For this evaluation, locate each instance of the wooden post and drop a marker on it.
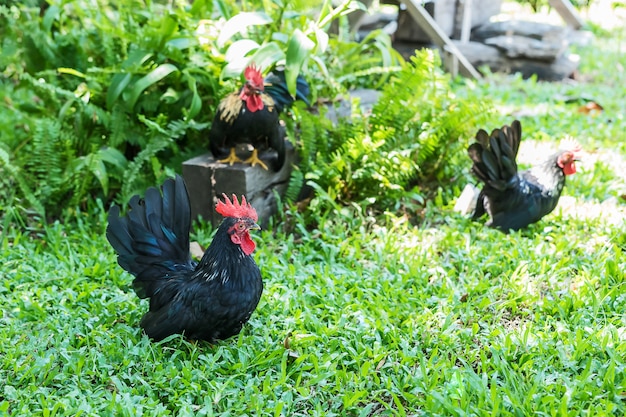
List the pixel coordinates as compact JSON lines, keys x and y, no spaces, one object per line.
{"x":428,"y":24}
{"x":207,"y":179}
{"x":466,"y":26}
{"x":568,"y":13}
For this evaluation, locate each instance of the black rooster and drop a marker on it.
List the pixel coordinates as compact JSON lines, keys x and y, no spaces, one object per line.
{"x":276,"y":86}
{"x":250,"y":116}
{"x":515,"y":199}
{"x":209,"y":300}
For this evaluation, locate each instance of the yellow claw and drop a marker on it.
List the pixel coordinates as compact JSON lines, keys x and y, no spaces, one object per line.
{"x":254,"y":160}
{"x":231,"y":158}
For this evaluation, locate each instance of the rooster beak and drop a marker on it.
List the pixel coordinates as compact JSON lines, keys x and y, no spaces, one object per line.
{"x":253,"y":226}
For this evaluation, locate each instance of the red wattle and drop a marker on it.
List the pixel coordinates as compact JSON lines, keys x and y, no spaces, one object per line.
{"x":244,"y":240}
{"x":247,"y":244}
{"x":254,"y":103}
{"x":569,"y":169}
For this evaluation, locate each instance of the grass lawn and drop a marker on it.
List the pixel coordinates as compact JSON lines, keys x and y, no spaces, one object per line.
{"x":360,"y":316}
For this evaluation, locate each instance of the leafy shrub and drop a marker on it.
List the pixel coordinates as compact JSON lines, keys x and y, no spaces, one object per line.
{"x":102,"y":98}
{"x":98,"y":98}
{"x":412,"y":139}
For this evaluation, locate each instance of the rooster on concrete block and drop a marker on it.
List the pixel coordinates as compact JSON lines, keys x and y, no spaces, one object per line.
{"x":209,"y":300}
{"x":513,"y":199}
{"x":251,"y":116}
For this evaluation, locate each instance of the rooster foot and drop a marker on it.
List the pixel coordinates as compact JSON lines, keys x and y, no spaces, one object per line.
{"x":254,"y":160}
{"x":231,"y":158}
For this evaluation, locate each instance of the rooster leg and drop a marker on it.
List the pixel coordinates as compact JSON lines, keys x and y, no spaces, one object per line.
{"x":254,"y":160}
{"x":231,"y":158}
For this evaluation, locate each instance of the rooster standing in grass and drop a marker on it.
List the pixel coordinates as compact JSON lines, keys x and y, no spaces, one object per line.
{"x":250,"y":116}
{"x":515,"y":199}
{"x":209,"y":300}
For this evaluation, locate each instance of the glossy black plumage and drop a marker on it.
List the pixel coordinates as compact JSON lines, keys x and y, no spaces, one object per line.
{"x":276,"y":87}
{"x":209,"y":300}
{"x":261,"y":129}
{"x":234,"y":124}
{"x":513,"y":200}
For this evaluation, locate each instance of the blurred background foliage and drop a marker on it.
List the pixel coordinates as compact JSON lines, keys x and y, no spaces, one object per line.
{"x":102,"y":99}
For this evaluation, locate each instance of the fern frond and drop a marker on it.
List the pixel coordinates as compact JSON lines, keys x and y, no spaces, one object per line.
{"x":154,"y":146}
{"x":11,"y":173}
{"x":412,"y":135}
{"x":296,"y":183}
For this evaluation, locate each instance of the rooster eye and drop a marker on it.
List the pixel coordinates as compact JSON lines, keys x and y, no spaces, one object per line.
{"x":567,"y":158}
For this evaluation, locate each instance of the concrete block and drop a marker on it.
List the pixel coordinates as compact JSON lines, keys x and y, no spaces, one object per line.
{"x":207,"y":179}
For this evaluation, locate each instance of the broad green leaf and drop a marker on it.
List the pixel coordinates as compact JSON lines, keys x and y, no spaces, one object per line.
{"x":239,"y":49}
{"x":321,"y":65}
{"x":239,"y":23}
{"x":71,"y":71}
{"x":67,"y":107}
{"x":149,"y":79}
{"x":170,"y":96}
{"x":280,"y":37}
{"x":201,"y":8}
{"x":113,"y":157}
{"x":79,"y":163}
{"x":223,"y":8}
{"x":117,"y":86}
{"x":264,"y":57}
{"x":325,"y":9}
{"x":322,"y":40}
{"x":136,"y":59}
{"x":329,"y":14}
{"x":120,"y":81}
{"x":298,"y":50}
{"x":233,"y":69}
{"x":267,"y":55}
{"x":182,"y":43}
{"x":196,"y":103}
{"x":99,"y":170}
{"x":168,"y":27}
{"x":51,"y":14}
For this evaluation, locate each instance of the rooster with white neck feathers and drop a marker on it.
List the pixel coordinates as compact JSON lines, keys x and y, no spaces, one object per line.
{"x":513,"y":199}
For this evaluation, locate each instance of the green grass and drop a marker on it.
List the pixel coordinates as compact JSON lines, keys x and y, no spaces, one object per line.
{"x":360,"y":316}
{"x":378,"y":317}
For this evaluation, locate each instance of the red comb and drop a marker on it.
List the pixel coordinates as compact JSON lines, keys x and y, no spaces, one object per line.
{"x":253,"y":75}
{"x":571,"y":144}
{"x":234,"y":209}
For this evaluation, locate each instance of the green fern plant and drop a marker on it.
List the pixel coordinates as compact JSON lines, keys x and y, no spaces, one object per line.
{"x":411,"y":143}
{"x":10,"y":178}
{"x":88,"y":85}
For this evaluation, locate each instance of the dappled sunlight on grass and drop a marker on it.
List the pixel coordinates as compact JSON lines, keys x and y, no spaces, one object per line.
{"x":353,"y":313}
{"x":412,"y":312}
{"x":609,"y":212}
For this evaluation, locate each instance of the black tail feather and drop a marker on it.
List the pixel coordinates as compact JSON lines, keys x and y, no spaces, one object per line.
{"x":494,"y":155}
{"x":152,"y":240}
{"x":276,"y":87}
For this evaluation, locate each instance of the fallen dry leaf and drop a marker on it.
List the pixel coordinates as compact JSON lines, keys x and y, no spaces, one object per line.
{"x":591,"y":108}
{"x":287,"y":341}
